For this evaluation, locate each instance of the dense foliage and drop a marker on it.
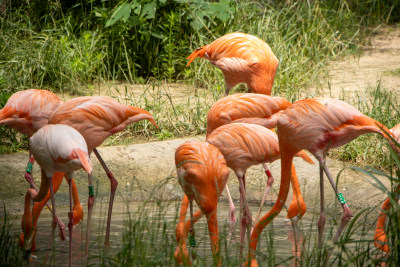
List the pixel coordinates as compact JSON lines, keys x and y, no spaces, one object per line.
{"x":61,"y":44}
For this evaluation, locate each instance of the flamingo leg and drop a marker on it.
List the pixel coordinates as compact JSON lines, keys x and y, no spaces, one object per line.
{"x":114,"y":184}
{"x":346,"y":210}
{"x":380,"y":237}
{"x":192,"y":240}
{"x":71,"y":219}
{"x":181,"y":252}
{"x":270,"y":181}
{"x":212,"y":222}
{"x":321,"y":221}
{"x":295,"y":236}
{"x":53,"y":203}
{"x":227,"y":89}
{"x":244,"y":213}
{"x":28,"y":172}
{"x":232,"y":216}
{"x":90,"y":210}
{"x":29,"y":179}
{"x":298,"y":206}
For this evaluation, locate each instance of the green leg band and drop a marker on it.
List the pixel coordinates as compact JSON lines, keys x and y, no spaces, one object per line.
{"x":91,"y":191}
{"x":192,"y":241}
{"x":341,"y":198}
{"x":29,"y":167}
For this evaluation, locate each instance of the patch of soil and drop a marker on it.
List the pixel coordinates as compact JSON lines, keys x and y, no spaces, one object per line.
{"x":355,"y":74}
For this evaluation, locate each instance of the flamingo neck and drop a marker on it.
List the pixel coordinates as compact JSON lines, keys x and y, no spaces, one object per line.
{"x":287,"y":168}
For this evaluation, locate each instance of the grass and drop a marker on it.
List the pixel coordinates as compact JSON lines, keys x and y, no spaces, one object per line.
{"x":371,"y":149}
{"x":395,"y":72}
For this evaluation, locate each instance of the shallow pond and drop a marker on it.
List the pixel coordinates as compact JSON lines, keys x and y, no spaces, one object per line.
{"x":284,"y":240}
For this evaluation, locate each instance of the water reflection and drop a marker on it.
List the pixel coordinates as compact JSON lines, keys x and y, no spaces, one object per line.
{"x":288,"y":238}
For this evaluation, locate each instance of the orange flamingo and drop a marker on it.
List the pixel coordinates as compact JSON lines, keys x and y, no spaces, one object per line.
{"x":202,"y":174}
{"x":257,"y":109}
{"x":242,"y":58}
{"x":316,"y":125}
{"x":244,"y":145}
{"x":380,"y":237}
{"x":26,"y":112}
{"x":56,"y":148}
{"x":97,"y":118}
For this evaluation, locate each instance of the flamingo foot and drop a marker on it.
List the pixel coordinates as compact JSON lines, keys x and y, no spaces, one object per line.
{"x":381,"y":240}
{"x":70,"y":229}
{"x":61,"y":229}
{"x":232,"y":219}
{"x":29,"y":179}
{"x":345,"y":219}
{"x":321,"y":226}
{"x":252,"y":263}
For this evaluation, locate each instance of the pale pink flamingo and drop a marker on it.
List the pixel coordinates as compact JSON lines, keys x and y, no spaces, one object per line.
{"x":257,"y":109}
{"x":316,"y":125}
{"x":97,"y":118}
{"x":56,"y":148}
{"x":242,"y":58}
{"x":26,"y":112}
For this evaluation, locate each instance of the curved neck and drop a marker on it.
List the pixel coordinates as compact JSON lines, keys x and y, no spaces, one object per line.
{"x":287,"y":170}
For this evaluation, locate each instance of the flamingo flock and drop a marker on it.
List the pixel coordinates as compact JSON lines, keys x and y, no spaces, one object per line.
{"x":240,"y":134}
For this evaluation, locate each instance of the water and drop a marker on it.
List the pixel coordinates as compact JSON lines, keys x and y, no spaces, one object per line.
{"x":288,"y":238}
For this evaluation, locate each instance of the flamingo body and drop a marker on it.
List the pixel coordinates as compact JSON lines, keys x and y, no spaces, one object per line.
{"x":243,"y":58}
{"x":97,"y":118}
{"x":320,"y":124}
{"x":201,"y":166}
{"x":52,"y":157}
{"x":247,"y":108}
{"x":28,"y":111}
{"x":244,"y":145}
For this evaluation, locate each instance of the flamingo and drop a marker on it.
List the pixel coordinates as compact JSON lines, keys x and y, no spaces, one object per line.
{"x":316,"y":125}
{"x":242,"y":58}
{"x":56,"y":148}
{"x":258,"y":109}
{"x":202,"y":174}
{"x":247,"y":108}
{"x":97,"y":118}
{"x":26,"y":112}
{"x":380,"y":237}
{"x":244,"y":145}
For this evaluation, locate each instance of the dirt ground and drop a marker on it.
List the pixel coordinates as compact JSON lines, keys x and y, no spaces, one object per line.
{"x":146,"y":171}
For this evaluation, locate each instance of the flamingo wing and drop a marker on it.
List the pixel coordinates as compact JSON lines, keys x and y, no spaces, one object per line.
{"x":247,"y":108}
{"x":27,"y":111}
{"x":60,"y":148}
{"x":97,"y":118}
{"x":244,"y":145}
